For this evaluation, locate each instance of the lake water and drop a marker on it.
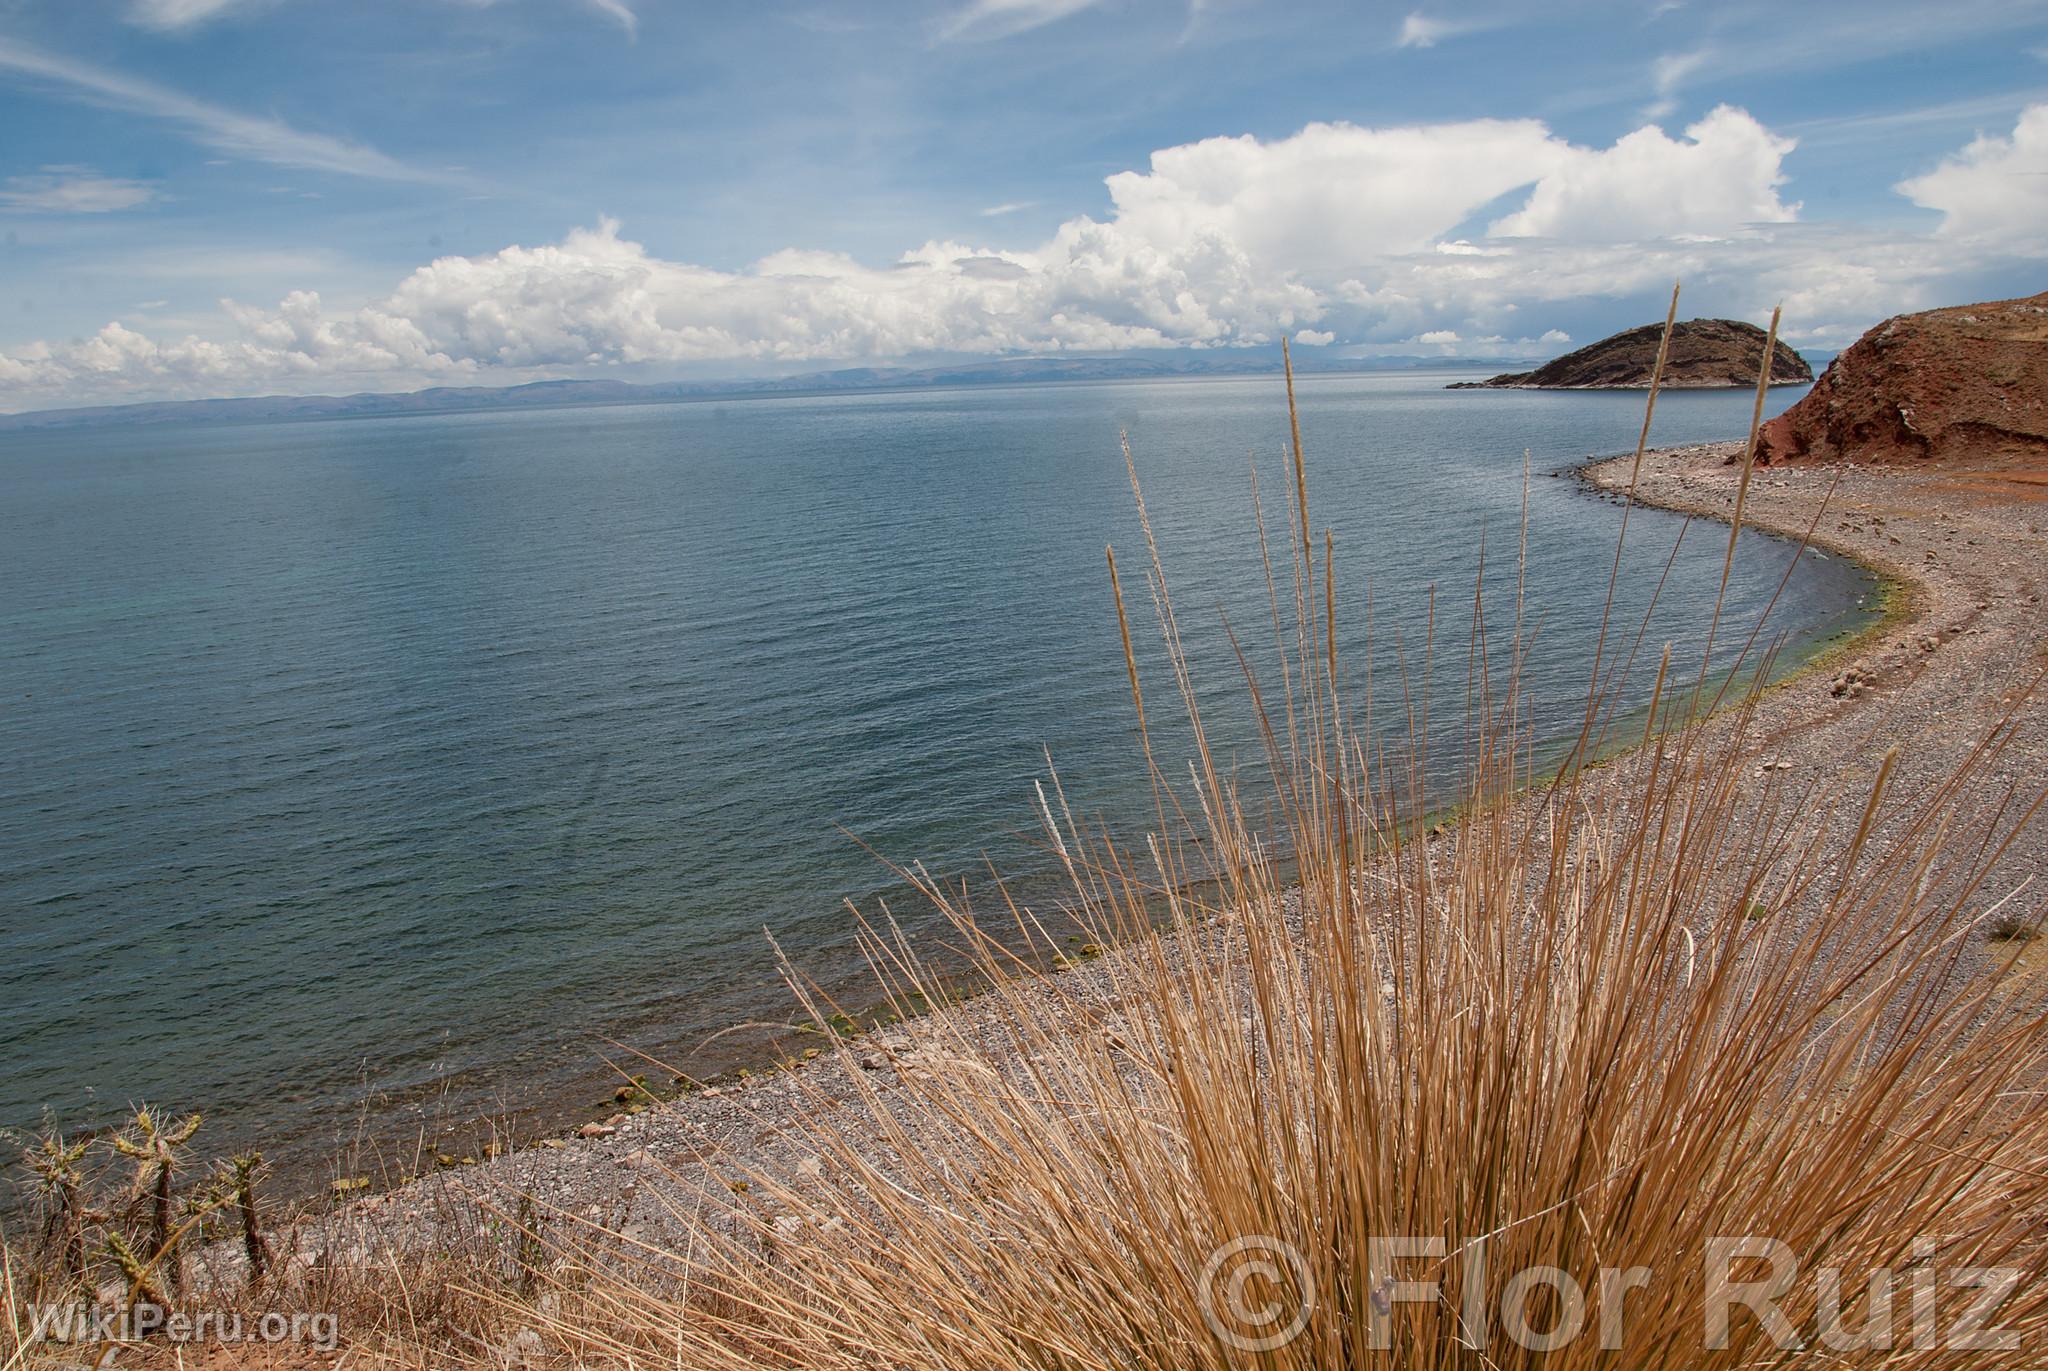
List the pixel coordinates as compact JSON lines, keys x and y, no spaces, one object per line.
{"x":385,"y":768}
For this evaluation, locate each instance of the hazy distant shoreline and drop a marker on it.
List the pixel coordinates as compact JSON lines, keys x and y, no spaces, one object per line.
{"x":574,"y":394}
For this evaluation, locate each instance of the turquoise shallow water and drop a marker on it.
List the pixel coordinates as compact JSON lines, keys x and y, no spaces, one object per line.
{"x":400,"y":762}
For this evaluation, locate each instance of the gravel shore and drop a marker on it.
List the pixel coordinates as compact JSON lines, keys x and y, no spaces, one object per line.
{"x":1968,"y":555}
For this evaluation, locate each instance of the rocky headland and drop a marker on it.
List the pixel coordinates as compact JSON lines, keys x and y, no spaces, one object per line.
{"x":1966,"y":383}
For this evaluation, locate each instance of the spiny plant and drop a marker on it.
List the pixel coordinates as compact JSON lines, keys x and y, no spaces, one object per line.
{"x":137,"y":1270}
{"x":155,"y":1148}
{"x":232,"y":1189}
{"x":241,"y":1191}
{"x":56,"y":1167}
{"x":1344,"y":1094}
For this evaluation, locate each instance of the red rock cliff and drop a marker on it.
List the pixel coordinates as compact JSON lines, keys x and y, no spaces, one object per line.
{"x":1967,"y":382}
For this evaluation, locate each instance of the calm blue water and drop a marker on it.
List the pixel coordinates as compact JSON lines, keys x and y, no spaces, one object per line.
{"x":395,"y":763}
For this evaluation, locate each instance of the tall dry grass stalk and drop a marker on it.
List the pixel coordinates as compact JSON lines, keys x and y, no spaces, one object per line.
{"x":1640,"y":1030}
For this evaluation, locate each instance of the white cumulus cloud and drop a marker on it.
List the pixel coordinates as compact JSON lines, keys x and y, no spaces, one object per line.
{"x":1994,"y":189}
{"x":1723,"y":176}
{"x":1332,"y":195}
{"x":1339,"y":234}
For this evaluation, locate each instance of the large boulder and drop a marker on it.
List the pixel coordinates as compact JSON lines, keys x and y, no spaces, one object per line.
{"x":1704,"y":353}
{"x":1966,"y":382}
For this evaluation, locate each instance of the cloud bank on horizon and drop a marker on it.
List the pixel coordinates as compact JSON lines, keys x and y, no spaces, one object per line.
{"x":1453,"y":237}
{"x":1335,"y":233}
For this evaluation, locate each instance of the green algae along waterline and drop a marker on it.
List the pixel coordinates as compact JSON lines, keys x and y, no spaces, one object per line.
{"x":385,"y":769}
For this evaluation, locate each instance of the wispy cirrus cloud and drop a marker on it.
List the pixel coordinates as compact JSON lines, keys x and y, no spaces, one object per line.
{"x":180,"y":14}
{"x":171,"y":16}
{"x":264,"y":140}
{"x":1420,"y":30}
{"x":1668,"y":75}
{"x":620,"y":13}
{"x":1007,"y":207}
{"x":73,"y":190}
{"x":981,"y":20}
{"x":1831,"y":40}
{"x":2002,"y":106}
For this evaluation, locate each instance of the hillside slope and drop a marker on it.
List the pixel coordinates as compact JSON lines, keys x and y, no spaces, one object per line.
{"x":1704,"y":353}
{"x":1968,"y":380}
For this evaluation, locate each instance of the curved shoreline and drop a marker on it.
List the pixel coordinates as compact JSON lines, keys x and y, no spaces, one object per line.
{"x":1962,"y":633}
{"x":1900,"y":590}
{"x":1897,"y":588}
{"x":451,"y":1141}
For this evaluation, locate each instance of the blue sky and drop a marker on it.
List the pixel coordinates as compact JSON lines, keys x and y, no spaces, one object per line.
{"x":201,"y":197}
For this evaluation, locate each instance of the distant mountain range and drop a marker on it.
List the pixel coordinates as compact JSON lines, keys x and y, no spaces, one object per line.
{"x":560,"y":394}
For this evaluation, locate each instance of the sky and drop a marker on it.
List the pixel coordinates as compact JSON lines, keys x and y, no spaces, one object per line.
{"x":241,"y":197}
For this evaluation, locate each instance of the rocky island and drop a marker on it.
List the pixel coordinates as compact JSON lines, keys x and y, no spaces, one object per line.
{"x":1704,"y":353}
{"x":1967,"y":381}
